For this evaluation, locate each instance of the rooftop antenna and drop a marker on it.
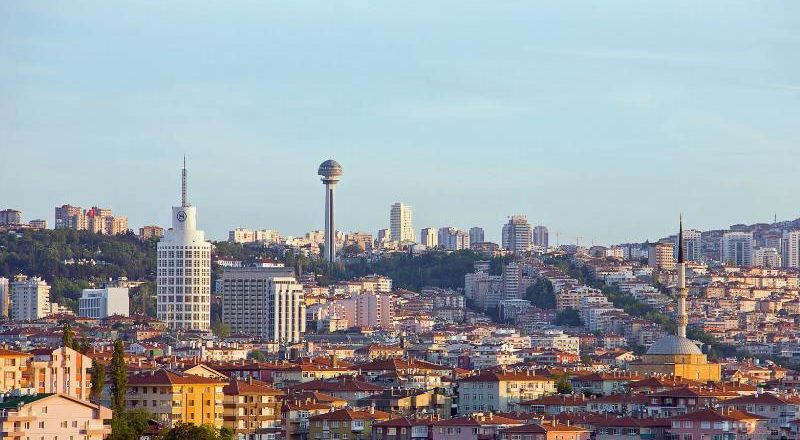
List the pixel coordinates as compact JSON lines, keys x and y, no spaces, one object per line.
{"x":183,"y":184}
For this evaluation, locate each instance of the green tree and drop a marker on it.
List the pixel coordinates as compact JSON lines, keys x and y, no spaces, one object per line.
{"x":68,"y":338}
{"x":563,"y":385}
{"x":221,"y":329}
{"x":186,"y":431}
{"x":98,"y":375}
{"x":569,"y":317}
{"x":138,"y":421}
{"x":541,"y":294}
{"x":257,"y":355}
{"x":119,"y":378}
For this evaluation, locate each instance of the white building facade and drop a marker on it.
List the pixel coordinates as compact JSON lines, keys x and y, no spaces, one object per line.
{"x":184,"y":272}
{"x":30,"y":298}
{"x":401,"y":223}
{"x":102,"y":303}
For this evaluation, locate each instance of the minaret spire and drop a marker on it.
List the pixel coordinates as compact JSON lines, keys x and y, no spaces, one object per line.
{"x":683,"y":319}
{"x":183,"y":184}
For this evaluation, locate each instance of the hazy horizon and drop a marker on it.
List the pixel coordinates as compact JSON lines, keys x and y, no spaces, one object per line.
{"x":597,"y":120}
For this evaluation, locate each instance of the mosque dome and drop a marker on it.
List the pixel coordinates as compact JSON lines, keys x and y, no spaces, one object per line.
{"x":674,"y":345}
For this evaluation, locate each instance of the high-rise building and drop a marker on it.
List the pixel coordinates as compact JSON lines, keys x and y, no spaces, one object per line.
{"x":737,"y":248}
{"x":429,"y":237}
{"x":384,"y":236}
{"x":30,"y":298}
{"x":400,"y":222}
{"x":184,"y":271}
{"x":517,"y":234}
{"x":790,"y":249}
{"x":331,"y":173}
{"x":476,"y":235}
{"x":453,"y":239}
{"x":70,"y":217}
{"x":267,"y":302}
{"x":102,"y":303}
{"x":10,"y":217}
{"x":692,"y":245}
{"x":148,"y":232}
{"x":5,"y":298}
{"x":660,"y":256}
{"x":541,"y":236}
{"x":766,"y":257}
{"x":102,"y":221}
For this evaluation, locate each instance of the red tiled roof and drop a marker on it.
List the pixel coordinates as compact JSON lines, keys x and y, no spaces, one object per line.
{"x":350,"y":414}
{"x":166,"y":377}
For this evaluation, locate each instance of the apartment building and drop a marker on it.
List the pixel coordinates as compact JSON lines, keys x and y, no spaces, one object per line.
{"x":63,"y":370}
{"x":498,"y":391}
{"x":52,"y":417}
{"x":30,"y":298}
{"x":175,"y":398}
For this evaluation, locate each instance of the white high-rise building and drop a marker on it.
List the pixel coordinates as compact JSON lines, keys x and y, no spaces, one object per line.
{"x":5,"y":298}
{"x":30,"y":298}
{"x":541,"y":236}
{"x":692,"y":245}
{"x":429,"y":237}
{"x":401,"y":223}
{"x":102,"y":303}
{"x":517,"y":234}
{"x":184,"y":271}
{"x":737,"y":248}
{"x":790,"y":249}
{"x":266,"y":302}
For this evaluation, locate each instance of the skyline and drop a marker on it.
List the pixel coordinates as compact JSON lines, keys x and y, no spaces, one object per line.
{"x":465,"y":114}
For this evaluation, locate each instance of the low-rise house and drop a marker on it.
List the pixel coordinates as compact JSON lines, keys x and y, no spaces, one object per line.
{"x":545,"y":431}
{"x":477,"y":426}
{"x":779,"y":411}
{"x":345,"y":424}
{"x":402,"y":428}
{"x":725,"y":424}
{"x":51,"y":416}
{"x":498,"y":391}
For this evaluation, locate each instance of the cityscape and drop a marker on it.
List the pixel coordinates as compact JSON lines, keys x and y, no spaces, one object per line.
{"x":527,"y":222}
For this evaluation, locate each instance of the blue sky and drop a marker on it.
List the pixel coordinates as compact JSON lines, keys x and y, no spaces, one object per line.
{"x":599,"y":119}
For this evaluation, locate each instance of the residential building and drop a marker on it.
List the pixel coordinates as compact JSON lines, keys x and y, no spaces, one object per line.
{"x":766,"y":257}
{"x":63,"y":370}
{"x":250,"y":406}
{"x":184,"y":271}
{"x":541,"y":236}
{"x":367,"y":310}
{"x":267,"y":302}
{"x":102,"y":303}
{"x":498,"y":391}
{"x":712,"y":424}
{"x":151,"y":231}
{"x":429,"y":237}
{"x":363,"y":240}
{"x":550,"y":430}
{"x":70,"y":217}
{"x":12,"y":366}
{"x":660,"y":256}
{"x":476,"y":235}
{"x":692,"y":245}
{"x":175,"y":398}
{"x":737,"y":248}
{"x":10,"y":217}
{"x":52,"y":416}
{"x":790,"y":249}
{"x":453,"y":239}
{"x":401,"y":223}
{"x":30,"y":298}
{"x":478,"y":426}
{"x":38,"y":224}
{"x":345,"y":424}
{"x":5,"y":298}
{"x":517,"y":234}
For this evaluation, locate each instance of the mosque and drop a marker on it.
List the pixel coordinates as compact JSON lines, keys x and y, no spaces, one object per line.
{"x":676,"y":355}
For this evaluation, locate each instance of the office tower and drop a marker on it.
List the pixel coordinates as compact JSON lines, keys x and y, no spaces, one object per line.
{"x":476,"y":235}
{"x":102,"y":303}
{"x":30,"y":298}
{"x":10,"y":217}
{"x":184,"y":270}
{"x":766,"y":257}
{"x":70,"y":217}
{"x":453,"y":239}
{"x":400,"y":223}
{"x":661,"y":256}
{"x":429,"y":237}
{"x":790,"y":249}
{"x":331,"y":172}
{"x":692,"y":245}
{"x":38,"y":224}
{"x":264,"y":301}
{"x":517,"y":234}
{"x":541,"y":236}
{"x":148,"y":232}
{"x":737,"y":248}
{"x":5,"y":298}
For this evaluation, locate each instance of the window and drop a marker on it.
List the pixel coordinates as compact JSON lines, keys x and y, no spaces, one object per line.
{"x":687,"y":436}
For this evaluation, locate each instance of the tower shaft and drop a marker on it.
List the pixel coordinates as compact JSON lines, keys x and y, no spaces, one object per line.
{"x":683,"y":319}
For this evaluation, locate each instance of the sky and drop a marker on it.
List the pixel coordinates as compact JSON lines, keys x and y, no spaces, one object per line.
{"x":599,"y":119}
